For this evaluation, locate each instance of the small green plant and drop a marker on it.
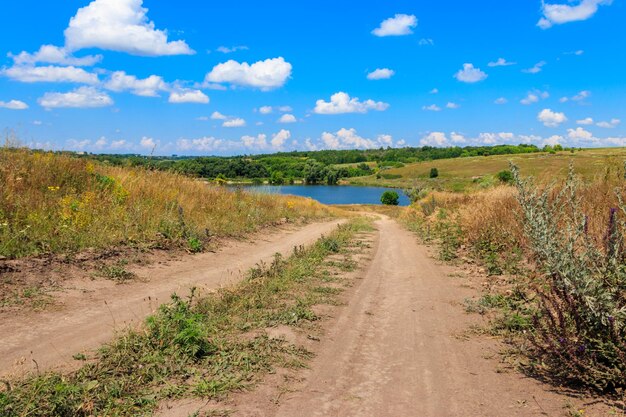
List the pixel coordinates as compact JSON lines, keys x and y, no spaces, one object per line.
{"x":390,"y":198}
{"x":116,"y":271}
{"x":505,"y":176}
{"x":195,"y":245}
{"x":434,"y":173}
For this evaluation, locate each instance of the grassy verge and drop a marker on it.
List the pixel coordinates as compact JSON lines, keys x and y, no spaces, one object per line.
{"x":558,"y":266}
{"x":55,"y":203}
{"x":203,"y":346}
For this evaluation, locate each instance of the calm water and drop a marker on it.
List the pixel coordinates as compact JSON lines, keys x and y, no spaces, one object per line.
{"x":332,"y":194}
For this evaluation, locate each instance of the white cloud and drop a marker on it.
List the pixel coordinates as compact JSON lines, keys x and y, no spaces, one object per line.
{"x":117,"y":144}
{"x":536,"y":68}
{"x":287,"y":118}
{"x":579,"y":134}
{"x":556,"y":14}
{"x":438,"y":139}
{"x":188,"y":96}
{"x":279,"y":139}
{"x":553,"y":140}
{"x":50,"y":74}
{"x":610,"y":124}
{"x":550,"y":118}
{"x":120,"y":25}
{"x":578,"y":97}
{"x":426,"y":42}
{"x":147,"y":142}
{"x":501,"y":62}
{"x":534,"y":97}
{"x":452,"y":105}
{"x":203,"y":144}
{"x":82,"y":97}
{"x":349,"y":139}
{"x":342,"y":103}
{"x":469,"y":74}
{"x":400,"y":24}
{"x":432,"y":107}
{"x":381,"y":74}
{"x":148,"y":87}
{"x":284,"y":109}
{"x":218,"y":116}
{"x":434,"y":91}
{"x":236,"y":122}
{"x":266,"y":75}
{"x":585,"y":121}
{"x":13,"y":105}
{"x":229,"y":50}
{"x":501,"y":100}
{"x":265,"y":110}
{"x":256,"y":142}
{"x":50,"y":54}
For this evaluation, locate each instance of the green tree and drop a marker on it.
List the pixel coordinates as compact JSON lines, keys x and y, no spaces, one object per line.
{"x":434,"y":173}
{"x":390,"y":198}
{"x":277,"y":178}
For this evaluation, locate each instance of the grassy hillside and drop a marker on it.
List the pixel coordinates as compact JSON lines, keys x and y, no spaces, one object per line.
{"x":51,"y":203}
{"x":461,"y":174}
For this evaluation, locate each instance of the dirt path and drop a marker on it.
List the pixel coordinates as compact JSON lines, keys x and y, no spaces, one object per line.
{"x":93,"y":311}
{"x":397,"y":350}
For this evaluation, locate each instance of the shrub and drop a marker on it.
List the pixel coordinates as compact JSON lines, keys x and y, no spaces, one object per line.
{"x":580,"y":330}
{"x":434,"y":173}
{"x":505,"y":176}
{"x":390,"y":198}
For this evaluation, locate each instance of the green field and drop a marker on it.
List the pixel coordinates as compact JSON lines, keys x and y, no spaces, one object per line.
{"x":464,"y":174}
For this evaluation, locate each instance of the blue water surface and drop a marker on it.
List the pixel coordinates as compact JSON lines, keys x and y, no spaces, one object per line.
{"x":331,"y":194}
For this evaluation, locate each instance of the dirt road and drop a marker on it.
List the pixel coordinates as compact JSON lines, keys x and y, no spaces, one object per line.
{"x":396,"y":350}
{"x":93,"y":311}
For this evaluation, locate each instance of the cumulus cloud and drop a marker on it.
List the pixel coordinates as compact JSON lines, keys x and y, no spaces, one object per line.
{"x":265,"y":109}
{"x":501,"y":100}
{"x":381,"y":74}
{"x":536,"y":68}
{"x":441,"y":139}
{"x":50,"y":74}
{"x":218,"y":116}
{"x":279,"y":139}
{"x":452,"y":105}
{"x":13,"y":105}
{"x":82,"y":97}
{"x":557,"y":14}
{"x":610,"y":124}
{"x":553,"y":140}
{"x":120,"y":25}
{"x":426,"y":42}
{"x":585,"y":121}
{"x":188,"y":96}
{"x":342,"y":103}
{"x":147,"y":87}
{"x":469,"y":74}
{"x":287,"y":118}
{"x":255,"y":142}
{"x":581,"y":96}
{"x":235,"y":122}
{"x":432,"y":107}
{"x":349,"y":139}
{"x":147,"y":143}
{"x":534,"y":97}
{"x":579,"y":134}
{"x":266,"y":75}
{"x":203,"y":144}
{"x":434,"y":91}
{"x":400,"y":24}
{"x":550,"y":118}
{"x":50,"y":54}
{"x":501,"y":62}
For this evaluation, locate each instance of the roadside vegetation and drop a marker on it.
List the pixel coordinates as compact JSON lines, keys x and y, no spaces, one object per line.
{"x":203,"y":346}
{"x":56,"y":203}
{"x":556,"y":257}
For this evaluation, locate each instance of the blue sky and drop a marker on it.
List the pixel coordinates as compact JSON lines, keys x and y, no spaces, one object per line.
{"x":199,"y":78}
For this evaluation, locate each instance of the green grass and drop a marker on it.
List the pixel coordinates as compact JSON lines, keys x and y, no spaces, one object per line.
{"x":197,"y":347}
{"x":466,"y":174}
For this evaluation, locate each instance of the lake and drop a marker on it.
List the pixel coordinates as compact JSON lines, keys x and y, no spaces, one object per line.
{"x":331,"y":194}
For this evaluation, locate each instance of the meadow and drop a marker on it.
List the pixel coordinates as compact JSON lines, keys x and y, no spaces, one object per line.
{"x":54,"y":203}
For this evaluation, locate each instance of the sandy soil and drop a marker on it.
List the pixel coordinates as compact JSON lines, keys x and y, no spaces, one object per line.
{"x":400,"y":348}
{"x":92,"y":310}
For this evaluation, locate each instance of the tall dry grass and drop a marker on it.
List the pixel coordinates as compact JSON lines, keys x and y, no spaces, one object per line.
{"x":52,"y":203}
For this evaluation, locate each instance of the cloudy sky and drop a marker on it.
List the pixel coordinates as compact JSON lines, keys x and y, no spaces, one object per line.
{"x":196,"y":77}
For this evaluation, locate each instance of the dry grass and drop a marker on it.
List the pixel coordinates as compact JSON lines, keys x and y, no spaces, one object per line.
{"x":52,"y":203}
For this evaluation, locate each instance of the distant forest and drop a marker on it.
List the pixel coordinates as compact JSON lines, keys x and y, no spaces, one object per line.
{"x":312,"y":167}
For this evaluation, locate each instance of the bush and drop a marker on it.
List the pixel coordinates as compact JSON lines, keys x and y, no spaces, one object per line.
{"x":505,"y":176}
{"x":580,"y":331}
{"x":390,"y":198}
{"x":434,"y":173}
